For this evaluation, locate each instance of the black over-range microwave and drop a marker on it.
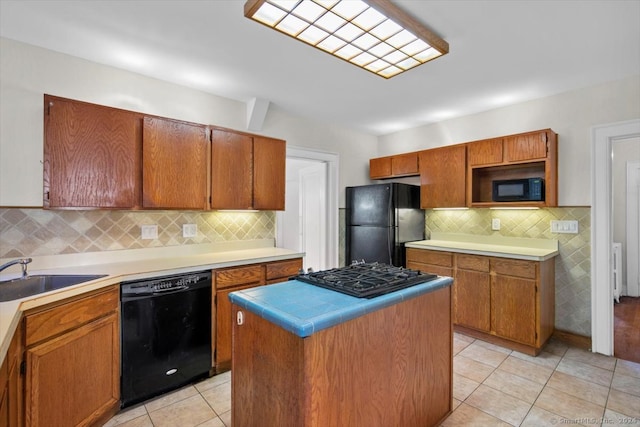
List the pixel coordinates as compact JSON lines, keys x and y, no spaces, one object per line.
{"x":518,"y":190}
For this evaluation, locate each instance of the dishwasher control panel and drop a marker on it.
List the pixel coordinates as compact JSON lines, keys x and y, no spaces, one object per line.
{"x":165,"y":284}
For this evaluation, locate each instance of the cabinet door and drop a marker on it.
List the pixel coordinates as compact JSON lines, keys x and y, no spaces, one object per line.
{"x":472,"y":303}
{"x":485,"y":152}
{"x":404,"y":164}
{"x":225,"y":281}
{"x":74,"y":379}
{"x":269,"y":163}
{"x":174,"y":157}
{"x":231,"y":170}
{"x":528,"y":146}
{"x":224,"y":328}
{"x":4,"y":394}
{"x":15,"y":386}
{"x":91,"y":155}
{"x":380,"y":168}
{"x":513,"y":312}
{"x":443,"y":177}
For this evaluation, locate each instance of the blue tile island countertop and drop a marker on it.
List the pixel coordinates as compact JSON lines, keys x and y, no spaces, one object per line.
{"x":304,"y":309}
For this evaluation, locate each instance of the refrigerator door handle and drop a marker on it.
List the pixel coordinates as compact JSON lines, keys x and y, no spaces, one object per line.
{"x":390,"y":243}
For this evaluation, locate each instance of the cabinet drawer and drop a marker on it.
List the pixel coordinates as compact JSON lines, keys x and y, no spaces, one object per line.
{"x":283,"y":269}
{"x":423,"y":256}
{"x":251,"y":274}
{"x":472,"y":262}
{"x":56,"y":320}
{"x":430,"y":268}
{"x":515,"y":268}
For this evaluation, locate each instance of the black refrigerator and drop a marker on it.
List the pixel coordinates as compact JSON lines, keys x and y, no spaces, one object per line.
{"x":380,"y":219}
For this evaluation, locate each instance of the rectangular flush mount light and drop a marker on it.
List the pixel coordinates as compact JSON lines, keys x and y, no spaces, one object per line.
{"x":373,"y":34}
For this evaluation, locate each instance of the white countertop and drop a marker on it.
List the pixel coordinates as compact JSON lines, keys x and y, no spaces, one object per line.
{"x":493,"y":245}
{"x":119,"y":266}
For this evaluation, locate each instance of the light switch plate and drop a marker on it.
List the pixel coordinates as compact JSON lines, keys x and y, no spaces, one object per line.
{"x":570,"y":227}
{"x":148,"y":232}
{"x":189,"y":230}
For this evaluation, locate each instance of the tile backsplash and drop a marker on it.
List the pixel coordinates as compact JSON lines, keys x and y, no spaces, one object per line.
{"x":37,"y":232}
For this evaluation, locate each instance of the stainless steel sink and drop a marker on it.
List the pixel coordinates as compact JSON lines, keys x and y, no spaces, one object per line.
{"x":33,"y":285}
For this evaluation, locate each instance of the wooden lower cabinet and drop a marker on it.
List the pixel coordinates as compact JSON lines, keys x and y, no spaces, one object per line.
{"x":73,"y":362}
{"x":472,"y":300}
{"x":11,"y":385}
{"x":507,"y":301}
{"x":227,"y":280}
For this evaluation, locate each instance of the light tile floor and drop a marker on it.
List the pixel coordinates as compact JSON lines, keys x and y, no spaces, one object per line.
{"x":492,"y":386}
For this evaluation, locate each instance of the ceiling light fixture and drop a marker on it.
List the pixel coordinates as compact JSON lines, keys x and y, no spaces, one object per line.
{"x":373,"y":34}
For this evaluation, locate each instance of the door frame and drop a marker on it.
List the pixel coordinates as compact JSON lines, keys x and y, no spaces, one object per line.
{"x":332,"y":162}
{"x":602,"y":139}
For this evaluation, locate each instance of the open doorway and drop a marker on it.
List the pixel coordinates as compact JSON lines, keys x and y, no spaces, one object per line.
{"x":309,"y":222}
{"x":602,"y":313}
{"x":626,"y":237}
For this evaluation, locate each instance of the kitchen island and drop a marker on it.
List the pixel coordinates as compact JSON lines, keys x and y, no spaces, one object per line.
{"x":308,"y":356}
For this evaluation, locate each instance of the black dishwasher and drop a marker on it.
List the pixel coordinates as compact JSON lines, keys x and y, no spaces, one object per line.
{"x":166,"y":334}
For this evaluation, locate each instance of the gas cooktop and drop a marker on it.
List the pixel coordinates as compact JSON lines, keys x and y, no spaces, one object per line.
{"x":366,"y":280}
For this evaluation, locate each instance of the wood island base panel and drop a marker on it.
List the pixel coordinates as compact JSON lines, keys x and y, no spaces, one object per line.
{"x":390,"y":367}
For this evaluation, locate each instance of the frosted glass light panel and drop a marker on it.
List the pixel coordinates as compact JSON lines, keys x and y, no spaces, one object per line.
{"x":374,"y":35}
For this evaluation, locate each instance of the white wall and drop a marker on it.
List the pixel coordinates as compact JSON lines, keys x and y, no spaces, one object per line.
{"x":27,"y":72}
{"x":571,"y":115}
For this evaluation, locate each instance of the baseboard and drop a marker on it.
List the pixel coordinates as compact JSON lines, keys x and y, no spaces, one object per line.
{"x":572,"y":339}
{"x":502,"y":342}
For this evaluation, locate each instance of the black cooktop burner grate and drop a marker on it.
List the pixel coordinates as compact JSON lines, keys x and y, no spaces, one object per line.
{"x":366,"y":280}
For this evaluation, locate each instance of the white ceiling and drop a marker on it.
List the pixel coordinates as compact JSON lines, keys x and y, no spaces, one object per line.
{"x":501,"y":52}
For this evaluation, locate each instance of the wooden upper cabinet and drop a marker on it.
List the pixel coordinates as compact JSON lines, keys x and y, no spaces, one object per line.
{"x":394,"y":166}
{"x":527,"y":146}
{"x":404,"y":164}
{"x":91,"y":155}
{"x":103,"y":157}
{"x":514,"y":148}
{"x":485,"y":152}
{"x":443,"y":177}
{"x":526,"y":155}
{"x":380,"y":168}
{"x":231,"y":170}
{"x":269,"y":164}
{"x":247,"y":171}
{"x":174,"y":157}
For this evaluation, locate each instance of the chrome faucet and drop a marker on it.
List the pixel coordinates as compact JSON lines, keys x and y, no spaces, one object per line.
{"x":22,"y":261}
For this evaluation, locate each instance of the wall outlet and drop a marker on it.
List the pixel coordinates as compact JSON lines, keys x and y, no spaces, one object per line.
{"x":564,"y":227}
{"x":495,"y":224}
{"x":189,"y":230}
{"x":148,"y":232}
